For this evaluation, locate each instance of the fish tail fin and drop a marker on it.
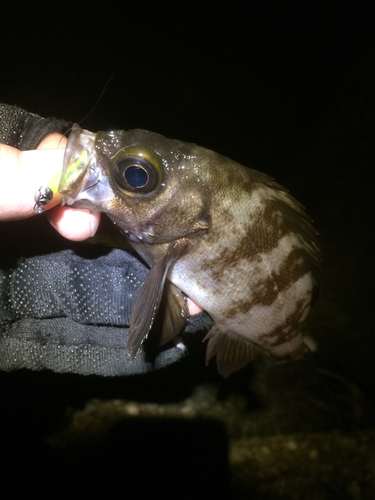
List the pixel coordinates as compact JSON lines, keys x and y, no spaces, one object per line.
{"x":293,"y":372}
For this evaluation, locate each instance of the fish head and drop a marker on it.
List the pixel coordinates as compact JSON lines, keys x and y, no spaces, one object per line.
{"x":149,"y":187}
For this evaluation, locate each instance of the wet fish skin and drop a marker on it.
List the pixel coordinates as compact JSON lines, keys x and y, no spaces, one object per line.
{"x":229,"y":237}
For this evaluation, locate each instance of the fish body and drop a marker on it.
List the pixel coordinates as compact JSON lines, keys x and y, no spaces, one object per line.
{"x":228,"y":237}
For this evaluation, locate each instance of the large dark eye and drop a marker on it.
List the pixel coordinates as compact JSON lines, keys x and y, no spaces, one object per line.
{"x":137,"y":170}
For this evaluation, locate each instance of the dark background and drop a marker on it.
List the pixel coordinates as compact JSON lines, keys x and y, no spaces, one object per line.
{"x":282,"y":87}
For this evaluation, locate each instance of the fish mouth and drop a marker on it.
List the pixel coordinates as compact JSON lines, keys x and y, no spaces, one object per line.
{"x":83,"y":183}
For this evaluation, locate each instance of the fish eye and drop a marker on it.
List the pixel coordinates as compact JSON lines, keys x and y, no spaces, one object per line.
{"x":137,"y":171}
{"x":135,"y":176}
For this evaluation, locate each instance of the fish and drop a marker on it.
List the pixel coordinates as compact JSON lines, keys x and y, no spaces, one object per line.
{"x":228,"y":237}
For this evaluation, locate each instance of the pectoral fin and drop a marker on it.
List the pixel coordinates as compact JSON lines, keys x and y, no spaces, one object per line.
{"x":175,"y":313}
{"x":147,"y":300}
{"x":232,"y":353}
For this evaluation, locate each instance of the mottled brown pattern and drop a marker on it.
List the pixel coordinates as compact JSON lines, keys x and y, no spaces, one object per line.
{"x":229,"y":257}
{"x":291,"y":269}
{"x":296,"y":221}
{"x":271,"y":286}
{"x":244,"y":242}
{"x":290,"y":329}
{"x":265,"y":294}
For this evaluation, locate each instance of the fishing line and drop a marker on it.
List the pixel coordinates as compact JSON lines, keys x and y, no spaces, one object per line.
{"x":111,"y":77}
{"x":161,"y":38}
{"x":130,"y":54}
{"x":145,"y":42}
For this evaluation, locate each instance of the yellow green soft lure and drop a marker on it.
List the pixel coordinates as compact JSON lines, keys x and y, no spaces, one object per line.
{"x":72,"y":174}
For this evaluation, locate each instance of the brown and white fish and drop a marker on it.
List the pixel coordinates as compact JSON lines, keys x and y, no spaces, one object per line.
{"x":229,"y":237}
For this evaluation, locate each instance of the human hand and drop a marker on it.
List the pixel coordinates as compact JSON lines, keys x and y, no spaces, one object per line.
{"x":22,"y":172}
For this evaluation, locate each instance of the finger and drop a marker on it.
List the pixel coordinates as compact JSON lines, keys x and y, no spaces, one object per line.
{"x":11,"y":197}
{"x":54,"y":140}
{"x":22,"y":173}
{"x":193,"y":307}
{"x":76,"y":225}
